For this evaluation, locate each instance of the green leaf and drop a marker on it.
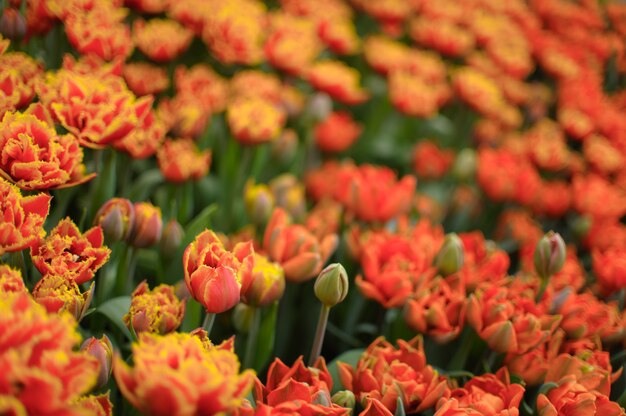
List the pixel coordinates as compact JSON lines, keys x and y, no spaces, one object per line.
{"x":267,"y":335}
{"x":193,"y":316}
{"x":199,"y":224}
{"x":143,"y":186}
{"x":349,"y":357}
{"x":114,"y":309}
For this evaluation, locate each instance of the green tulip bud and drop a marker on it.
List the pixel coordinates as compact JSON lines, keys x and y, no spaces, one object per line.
{"x":331,"y":286}
{"x":449,"y":260}
{"x":344,"y":398}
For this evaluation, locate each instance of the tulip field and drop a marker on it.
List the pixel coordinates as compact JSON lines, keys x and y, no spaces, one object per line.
{"x":313,"y":207}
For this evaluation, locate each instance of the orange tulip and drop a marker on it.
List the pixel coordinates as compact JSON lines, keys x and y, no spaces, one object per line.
{"x":24,"y":218}
{"x":97,"y":110}
{"x":337,"y":133}
{"x":59,"y":294}
{"x":387,"y":374}
{"x":181,"y":373}
{"x":508,"y":320}
{"x":212,"y":273}
{"x":301,"y":254}
{"x":158,"y":310}
{"x":337,"y":80}
{"x":41,"y":372}
{"x":34,"y":157}
{"x":571,"y":398}
{"x":181,"y":160}
{"x":100,"y":31}
{"x":161,"y":40}
{"x":300,"y":389}
{"x":11,"y":280}
{"x":69,"y":253}
{"x":490,"y":394}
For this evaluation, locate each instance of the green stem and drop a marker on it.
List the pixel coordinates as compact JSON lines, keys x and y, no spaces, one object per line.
{"x":319,"y":334}
{"x":125,"y":270}
{"x":16,"y":260}
{"x":542,"y":290}
{"x":209,"y":320}
{"x":253,"y":334}
{"x":460,"y":357}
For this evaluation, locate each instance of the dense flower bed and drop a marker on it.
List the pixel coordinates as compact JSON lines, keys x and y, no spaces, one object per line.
{"x":313,"y":207}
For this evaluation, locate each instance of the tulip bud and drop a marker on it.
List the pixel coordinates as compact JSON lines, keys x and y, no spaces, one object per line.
{"x":148,"y":225}
{"x":283,"y":148}
{"x":465,"y":165}
{"x":102,"y":350}
{"x":344,"y":398}
{"x":172,"y":237}
{"x":331,"y":286}
{"x":319,"y":107}
{"x":242,"y":317}
{"x":450,"y":258}
{"x":259,"y":202}
{"x":116,"y":217}
{"x":580,"y":226}
{"x":550,"y":255}
{"x":12,"y":24}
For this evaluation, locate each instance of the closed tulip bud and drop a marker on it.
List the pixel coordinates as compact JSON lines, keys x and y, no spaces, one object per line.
{"x":319,"y":107}
{"x":550,"y":255}
{"x":331,"y":286}
{"x":450,"y":258}
{"x":12,"y":24}
{"x":102,"y":350}
{"x":116,"y":217}
{"x":464,"y":166}
{"x":242,"y":317}
{"x":344,"y":398}
{"x":259,"y":202}
{"x":171,"y":239}
{"x":581,"y":225}
{"x":148,"y":225}
{"x":284,"y":147}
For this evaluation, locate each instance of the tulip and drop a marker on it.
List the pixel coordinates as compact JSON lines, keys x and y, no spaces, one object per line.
{"x":450,"y":257}
{"x":69,"y":253}
{"x":259,"y":202}
{"x":158,"y":310}
{"x":116,"y":217}
{"x":212,"y":273}
{"x":181,"y":373}
{"x":331,"y":287}
{"x":172,"y":237}
{"x":147,"y":227}
{"x":58,"y":294}
{"x":102,"y":350}
{"x":549,"y":255}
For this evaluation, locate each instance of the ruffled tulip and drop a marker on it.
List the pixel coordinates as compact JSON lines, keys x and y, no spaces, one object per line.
{"x":60,"y":294}
{"x":22,"y":226}
{"x":41,"y":373}
{"x":180,"y":374}
{"x":387,"y":374}
{"x":158,"y":310}
{"x":34,"y":157}
{"x":69,"y":253}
